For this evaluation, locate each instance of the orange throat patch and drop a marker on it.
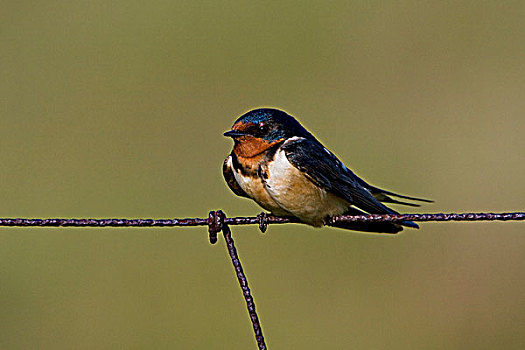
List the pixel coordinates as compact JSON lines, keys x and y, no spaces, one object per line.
{"x":250,"y":146}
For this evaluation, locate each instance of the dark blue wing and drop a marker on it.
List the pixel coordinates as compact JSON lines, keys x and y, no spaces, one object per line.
{"x":325,"y":170}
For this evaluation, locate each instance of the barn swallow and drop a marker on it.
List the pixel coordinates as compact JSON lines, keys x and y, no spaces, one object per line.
{"x":281,"y":166}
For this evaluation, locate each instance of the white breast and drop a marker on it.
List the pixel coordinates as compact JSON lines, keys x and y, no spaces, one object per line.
{"x":292,"y":191}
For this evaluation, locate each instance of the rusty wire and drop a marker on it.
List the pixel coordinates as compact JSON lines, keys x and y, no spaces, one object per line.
{"x":217,"y":222}
{"x":262,"y":220}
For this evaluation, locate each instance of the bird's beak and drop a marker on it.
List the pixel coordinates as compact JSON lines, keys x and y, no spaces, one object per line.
{"x":234,"y":133}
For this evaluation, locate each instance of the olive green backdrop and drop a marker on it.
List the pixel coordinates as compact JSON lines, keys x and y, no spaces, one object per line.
{"x":117,"y":109}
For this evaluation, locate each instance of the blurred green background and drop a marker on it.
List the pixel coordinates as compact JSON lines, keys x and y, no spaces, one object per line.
{"x":117,"y":109}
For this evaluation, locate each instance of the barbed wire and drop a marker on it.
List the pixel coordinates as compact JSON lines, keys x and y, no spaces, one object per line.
{"x":217,"y":222}
{"x":263,"y":220}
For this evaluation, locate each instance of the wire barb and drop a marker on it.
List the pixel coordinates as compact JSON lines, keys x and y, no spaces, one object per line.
{"x":215,"y":224}
{"x":263,"y":225}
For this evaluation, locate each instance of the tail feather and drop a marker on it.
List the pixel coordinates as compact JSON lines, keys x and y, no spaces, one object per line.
{"x":379,"y":193}
{"x":385,"y":199}
{"x":383,"y":195}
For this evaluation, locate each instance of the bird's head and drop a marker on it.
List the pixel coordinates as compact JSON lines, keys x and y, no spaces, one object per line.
{"x":257,"y":130}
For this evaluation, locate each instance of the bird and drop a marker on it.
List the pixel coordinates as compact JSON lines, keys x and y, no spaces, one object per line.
{"x":277,"y":163}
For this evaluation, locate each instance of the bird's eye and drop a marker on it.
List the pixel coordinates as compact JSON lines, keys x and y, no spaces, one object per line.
{"x":263,"y":127}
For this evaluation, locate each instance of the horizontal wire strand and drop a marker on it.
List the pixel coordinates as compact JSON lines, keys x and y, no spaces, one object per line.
{"x":262,"y":220}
